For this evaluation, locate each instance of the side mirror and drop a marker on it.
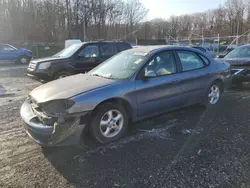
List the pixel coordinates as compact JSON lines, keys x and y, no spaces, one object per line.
{"x":81,"y":56}
{"x":149,"y":74}
{"x":85,"y":57}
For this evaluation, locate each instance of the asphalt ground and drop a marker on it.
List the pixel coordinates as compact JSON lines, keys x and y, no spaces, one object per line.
{"x":191,"y":147}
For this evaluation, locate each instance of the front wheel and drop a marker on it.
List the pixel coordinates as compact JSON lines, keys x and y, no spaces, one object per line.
{"x":62,"y":74}
{"x":109,"y":123}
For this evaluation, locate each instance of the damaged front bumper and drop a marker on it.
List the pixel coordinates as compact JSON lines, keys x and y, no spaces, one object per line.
{"x":63,"y":132}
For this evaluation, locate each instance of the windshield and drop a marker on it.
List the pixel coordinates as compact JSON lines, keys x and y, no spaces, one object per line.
{"x":121,"y":66}
{"x":239,"y":53}
{"x":14,"y":48}
{"x":69,"y":51}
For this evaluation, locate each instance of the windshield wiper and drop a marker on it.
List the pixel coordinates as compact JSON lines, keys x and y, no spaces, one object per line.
{"x":98,"y":75}
{"x":107,"y":77}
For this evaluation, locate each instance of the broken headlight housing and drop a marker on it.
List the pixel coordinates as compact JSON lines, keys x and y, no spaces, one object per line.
{"x":57,"y":107}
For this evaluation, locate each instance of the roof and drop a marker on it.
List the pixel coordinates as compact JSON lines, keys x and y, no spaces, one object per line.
{"x":107,"y":41}
{"x":245,"y":45}
{"x":158,"y":48}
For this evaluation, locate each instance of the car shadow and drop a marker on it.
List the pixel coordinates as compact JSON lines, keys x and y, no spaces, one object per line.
{"x":149,"y":145}
{"x":244,"y":87}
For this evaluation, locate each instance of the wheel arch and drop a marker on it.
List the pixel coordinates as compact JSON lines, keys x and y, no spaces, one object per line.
{"x":57,"y":71}
{"x":220,"y":81}
{"x":120,"y":101}
{"x":116,"y":100}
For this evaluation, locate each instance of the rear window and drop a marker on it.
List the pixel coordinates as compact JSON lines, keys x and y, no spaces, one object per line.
{"x":107,"y":49}
{"x":122,"y":46}
{"x":206,"y":61}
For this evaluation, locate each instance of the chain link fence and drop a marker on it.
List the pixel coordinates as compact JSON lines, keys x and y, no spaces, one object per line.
{"x":40,"y":50}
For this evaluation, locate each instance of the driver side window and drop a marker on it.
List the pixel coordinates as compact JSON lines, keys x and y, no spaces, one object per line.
{"x":161,"y":64}
{"x":90,"y":51}
{"x":245,"y":52}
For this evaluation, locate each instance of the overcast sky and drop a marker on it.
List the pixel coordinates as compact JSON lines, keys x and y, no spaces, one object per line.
{"x":166,"y":8}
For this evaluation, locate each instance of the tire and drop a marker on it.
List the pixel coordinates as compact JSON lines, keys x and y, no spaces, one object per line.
{"x":62,"y":74}
{"x":23,"y":60}
{"x":102,"y":113}
{"x":211,"y":93}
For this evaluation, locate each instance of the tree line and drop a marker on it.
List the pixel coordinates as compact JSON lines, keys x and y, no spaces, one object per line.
{"x":58,"y":20}
{"x":229,"y":19}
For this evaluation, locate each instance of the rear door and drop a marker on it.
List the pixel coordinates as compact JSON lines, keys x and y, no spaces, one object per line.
{"x":107,"y":50}
{"x":87,"y":58}
{"x":195,"y":76}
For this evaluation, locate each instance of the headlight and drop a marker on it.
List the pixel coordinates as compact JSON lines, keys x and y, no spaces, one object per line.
{"x":57,"y":107}
{"x":44,"y":65}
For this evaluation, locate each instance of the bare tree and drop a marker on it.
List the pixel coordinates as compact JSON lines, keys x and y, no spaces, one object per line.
{"x":134,"y":13}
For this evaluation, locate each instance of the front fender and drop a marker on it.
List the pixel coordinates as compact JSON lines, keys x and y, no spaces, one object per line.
{"x":55,"y":69}
{"x":88,"y":101}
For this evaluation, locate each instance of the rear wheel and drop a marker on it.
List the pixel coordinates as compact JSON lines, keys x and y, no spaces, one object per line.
{"x":109,"y":123}
{"x":23,"y":60}
{"x":62,"y":74}
{"x":213,"y":94}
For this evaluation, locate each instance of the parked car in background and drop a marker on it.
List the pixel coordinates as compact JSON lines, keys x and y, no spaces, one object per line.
{"x":239,"y":58}
{"x":10,"y":53}
{"x":134,"y":84}
{"x":205,"y":50}
{"x":77,"y":58}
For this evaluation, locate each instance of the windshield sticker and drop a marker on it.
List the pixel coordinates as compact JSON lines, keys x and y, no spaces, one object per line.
{"x":138,"y":61}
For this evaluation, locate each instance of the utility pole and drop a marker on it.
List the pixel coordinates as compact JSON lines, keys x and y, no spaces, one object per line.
{"x":218,"y":43}
{"x":82,"y":13}
{"x":202,"y":37}
{"x":237,"y":41}
{"x":84,"y":22}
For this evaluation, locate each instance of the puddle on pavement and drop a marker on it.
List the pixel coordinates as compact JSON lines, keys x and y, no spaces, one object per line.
{"x":158,"y":133}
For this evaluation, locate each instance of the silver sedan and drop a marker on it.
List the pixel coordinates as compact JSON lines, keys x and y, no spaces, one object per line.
{"x":132,"y":85}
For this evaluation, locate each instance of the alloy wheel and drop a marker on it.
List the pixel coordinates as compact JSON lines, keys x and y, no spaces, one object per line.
{"x":214,"y":94}
{"x":111,"y":123}
{"x":23,"y":60}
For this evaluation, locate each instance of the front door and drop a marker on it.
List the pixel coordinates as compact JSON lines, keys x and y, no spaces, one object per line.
{"x":87,"y":58}
{"x":160,"y":90}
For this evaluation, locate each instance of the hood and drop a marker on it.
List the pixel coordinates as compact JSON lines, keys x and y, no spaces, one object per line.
{"x":46,"y":59}
{"x":67,"y":87}
{"x":237,"y":61}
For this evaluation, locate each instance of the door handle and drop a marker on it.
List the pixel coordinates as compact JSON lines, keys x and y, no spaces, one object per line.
{"x":175,"y":81}
{"x":208,"y":74}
